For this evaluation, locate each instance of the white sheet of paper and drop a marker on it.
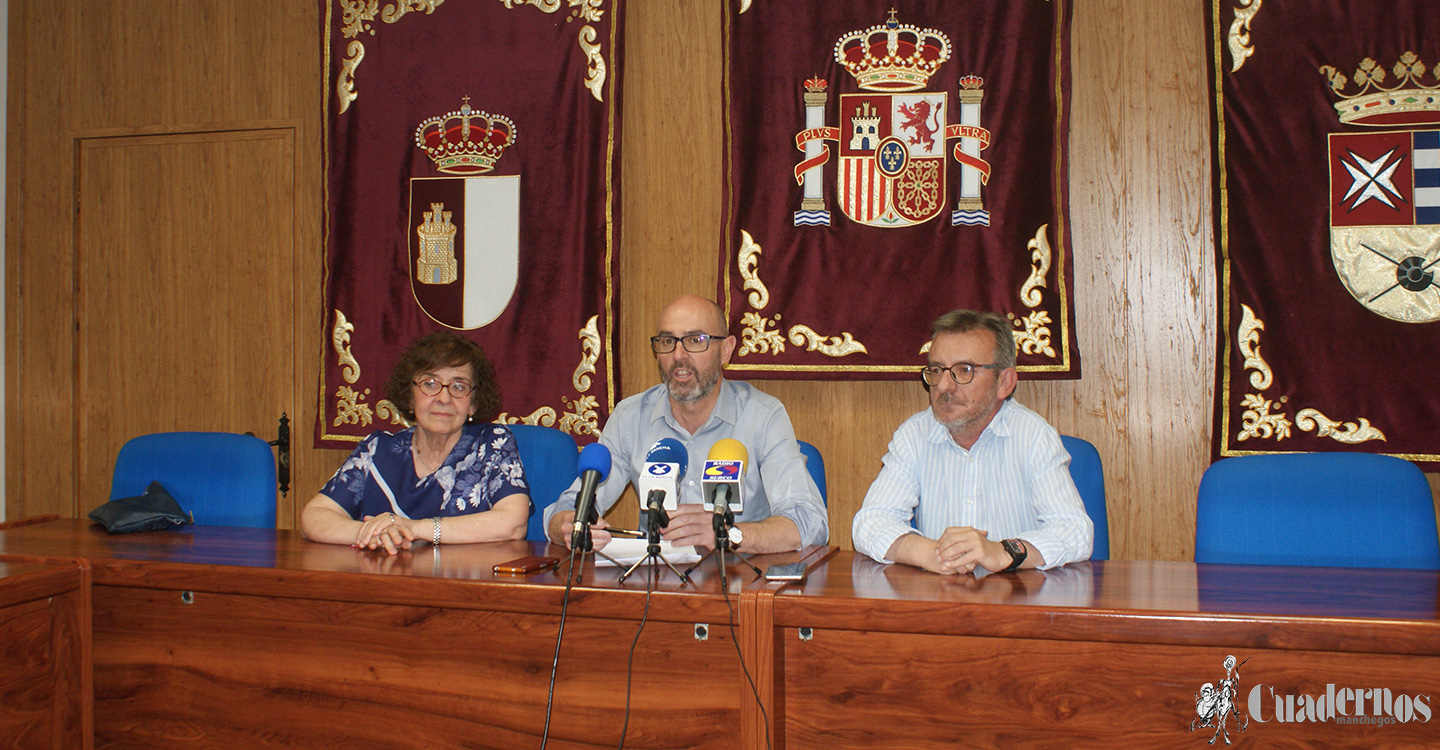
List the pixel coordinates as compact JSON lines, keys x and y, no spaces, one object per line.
{"x":627,"y":551}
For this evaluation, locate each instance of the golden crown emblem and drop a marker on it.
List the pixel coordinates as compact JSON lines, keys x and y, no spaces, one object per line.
{"x":465,"y":141}
{"x":1409,"y":102}
{"x":892,"y":56}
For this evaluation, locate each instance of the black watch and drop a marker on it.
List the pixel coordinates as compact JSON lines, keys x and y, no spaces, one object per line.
{"x":1018,"y":553}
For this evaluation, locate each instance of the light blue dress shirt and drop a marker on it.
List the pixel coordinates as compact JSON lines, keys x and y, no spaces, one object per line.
{"x":1013,"y":483}
{"x":776,"y":482}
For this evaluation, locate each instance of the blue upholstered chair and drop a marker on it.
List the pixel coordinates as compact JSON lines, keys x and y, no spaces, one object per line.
{"x":550,"y":457}
{"x":1089,"y":476}
{"x":221,"y":478}
{"x":1327,"y":509}
{"x":815,"y":463}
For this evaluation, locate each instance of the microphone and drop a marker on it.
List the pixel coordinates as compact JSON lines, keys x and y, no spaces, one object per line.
{"x":721,"y":480}
{"x":659,"y":482}
{"x":594,"y":467}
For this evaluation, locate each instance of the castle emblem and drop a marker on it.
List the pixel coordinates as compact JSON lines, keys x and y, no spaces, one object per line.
{"x":464,"y":230}
{"x":1385,"y":189}
{"x":892,"y":169}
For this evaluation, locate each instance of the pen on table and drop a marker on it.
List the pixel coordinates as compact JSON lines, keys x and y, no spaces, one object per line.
{"x":625,"y":532}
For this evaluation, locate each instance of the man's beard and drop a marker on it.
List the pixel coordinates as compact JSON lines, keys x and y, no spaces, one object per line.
{"x":979,"y":409}
{"x":703,"y":383}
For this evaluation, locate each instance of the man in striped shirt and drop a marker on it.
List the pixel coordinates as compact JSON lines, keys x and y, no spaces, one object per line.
{"x":976,"y":480}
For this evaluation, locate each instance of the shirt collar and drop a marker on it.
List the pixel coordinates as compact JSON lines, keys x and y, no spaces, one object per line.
{"x":999,"y":427}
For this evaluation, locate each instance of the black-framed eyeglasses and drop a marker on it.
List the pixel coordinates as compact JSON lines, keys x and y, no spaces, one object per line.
{"x":430,"y":386}
{"x":962,"y":372}
{"x":694,"y":343}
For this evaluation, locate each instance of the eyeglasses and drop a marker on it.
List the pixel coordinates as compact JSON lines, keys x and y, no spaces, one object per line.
{"x":962,"y":373}
{"x":694,"y":343}
{"x":431,"y":387}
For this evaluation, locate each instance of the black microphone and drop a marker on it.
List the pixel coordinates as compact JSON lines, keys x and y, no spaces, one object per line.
{"x":594,"y":467}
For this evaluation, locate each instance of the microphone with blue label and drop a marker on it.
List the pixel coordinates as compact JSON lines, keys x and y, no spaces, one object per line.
{"x":659,"y":482}
{"x":723,"y":483}
{"x":659,"y":489}
{"x":724,"y":476}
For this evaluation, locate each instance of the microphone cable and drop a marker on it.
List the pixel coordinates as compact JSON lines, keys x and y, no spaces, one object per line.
{"x":630,"y":664}
{"x":559,"y":636}
{"x":725,"y":592}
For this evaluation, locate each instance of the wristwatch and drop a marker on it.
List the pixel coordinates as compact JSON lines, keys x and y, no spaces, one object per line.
{"x":1017,"y":551}
{"x":736,"y":537}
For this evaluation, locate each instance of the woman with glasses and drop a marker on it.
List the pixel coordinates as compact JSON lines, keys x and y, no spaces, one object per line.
{"x":448,"y":478}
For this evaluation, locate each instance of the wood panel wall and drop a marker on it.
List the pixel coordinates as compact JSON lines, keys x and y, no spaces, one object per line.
{"x":162,"y":78}
{"x":1144,"y":258}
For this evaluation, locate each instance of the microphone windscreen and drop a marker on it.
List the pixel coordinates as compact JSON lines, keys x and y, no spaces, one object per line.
{"x":728,"y":449}
{"x":668,"y":451}
{"x":594,"y":457}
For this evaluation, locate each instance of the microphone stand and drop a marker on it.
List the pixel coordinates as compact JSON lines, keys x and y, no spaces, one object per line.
{"x":583,"y":545}
{"x":724,"y":518}
{"x":656,"y":519}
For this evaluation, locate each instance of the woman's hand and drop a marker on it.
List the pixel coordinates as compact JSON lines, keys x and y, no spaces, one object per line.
{"x":386,"y":530}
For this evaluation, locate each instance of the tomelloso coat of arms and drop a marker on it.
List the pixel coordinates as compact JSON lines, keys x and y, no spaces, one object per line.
{"x":1385,"y":189}
{"x":464,"y":230}
{"x":892,"y":167}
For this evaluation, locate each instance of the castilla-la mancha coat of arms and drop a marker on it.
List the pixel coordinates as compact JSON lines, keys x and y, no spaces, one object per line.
{"x":892,"y":166}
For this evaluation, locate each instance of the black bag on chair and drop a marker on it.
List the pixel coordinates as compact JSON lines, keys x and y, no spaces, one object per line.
{"x":155,"y":509}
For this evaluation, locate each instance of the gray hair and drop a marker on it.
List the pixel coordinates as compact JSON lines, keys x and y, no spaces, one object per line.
{"x":965,"y":321}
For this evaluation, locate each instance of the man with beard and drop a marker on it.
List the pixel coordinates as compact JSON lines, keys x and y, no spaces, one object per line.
{"x":976,"y":479}
{"x":696,"y":405}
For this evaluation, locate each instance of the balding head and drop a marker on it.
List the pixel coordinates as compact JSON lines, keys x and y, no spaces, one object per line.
{"x":691,"y":313}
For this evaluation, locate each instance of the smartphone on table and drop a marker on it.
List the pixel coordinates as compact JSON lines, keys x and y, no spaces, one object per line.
{"x":787,"y":572}
{"x":527,"y":564}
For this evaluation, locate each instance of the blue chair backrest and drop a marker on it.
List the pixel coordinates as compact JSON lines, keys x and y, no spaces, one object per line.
{"x":1354,"y":510}
{"x":221,"y":478}
{"x":1089,"y":476}
{"x":549,"y":457}
{"x":815,"y":463}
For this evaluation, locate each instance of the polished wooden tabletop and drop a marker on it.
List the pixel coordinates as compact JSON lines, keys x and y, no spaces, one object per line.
{"x":1158,"y":586}
{"x":838,"y":582}
{"x":281,"y":562}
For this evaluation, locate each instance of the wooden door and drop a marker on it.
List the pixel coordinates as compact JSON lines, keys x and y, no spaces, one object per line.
{"x":184,"y":289}
{"x":163,"y":235}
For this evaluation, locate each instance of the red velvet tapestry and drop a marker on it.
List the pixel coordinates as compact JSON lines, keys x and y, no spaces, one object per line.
{"x":1326,"y":142}
{"x":472,"y":183}
{"x":888,"y":162}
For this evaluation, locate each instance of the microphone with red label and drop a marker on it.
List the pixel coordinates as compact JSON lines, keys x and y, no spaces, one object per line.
{"x":723,"y":485}
{"x":723,"y":477}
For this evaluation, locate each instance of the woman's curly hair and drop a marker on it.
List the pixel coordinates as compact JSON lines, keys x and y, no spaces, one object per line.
{"x":436,"y":351}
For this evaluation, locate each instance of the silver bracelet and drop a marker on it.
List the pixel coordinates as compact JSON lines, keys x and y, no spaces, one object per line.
{"x":436,"y":523}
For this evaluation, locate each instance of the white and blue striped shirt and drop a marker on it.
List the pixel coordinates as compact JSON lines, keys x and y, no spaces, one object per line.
{"x":1013,"y":483}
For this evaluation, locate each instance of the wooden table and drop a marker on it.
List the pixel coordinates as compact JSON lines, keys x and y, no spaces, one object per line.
{"x":44,"y":656}
{"x":213,"y":637}
{"x":1094,"y":654}
{"x":230,"y":637}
